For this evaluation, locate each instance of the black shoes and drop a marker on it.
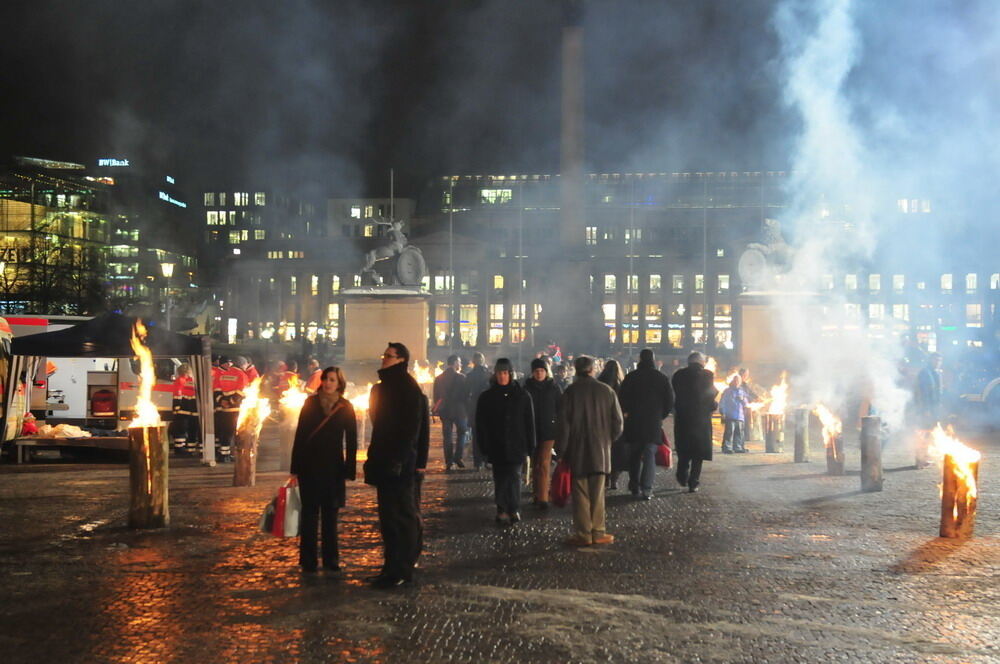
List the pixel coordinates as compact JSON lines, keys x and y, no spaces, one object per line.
{"x":682,"y":479}
{"x":726,"y":450}
{"x":693,"y":488}
{"x":646,"y":496}
{"x":515,"y":517}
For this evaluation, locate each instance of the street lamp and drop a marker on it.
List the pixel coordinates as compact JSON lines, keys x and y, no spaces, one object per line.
{"x":168,"y":271}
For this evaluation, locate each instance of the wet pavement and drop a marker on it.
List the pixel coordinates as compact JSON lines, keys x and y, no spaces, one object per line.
{"x":771,"y":562}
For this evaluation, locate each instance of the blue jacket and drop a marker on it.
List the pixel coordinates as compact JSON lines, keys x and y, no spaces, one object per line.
{"x":733,"y":402}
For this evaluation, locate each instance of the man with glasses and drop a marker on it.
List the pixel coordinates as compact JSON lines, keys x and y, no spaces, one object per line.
{"x":396,"y":461}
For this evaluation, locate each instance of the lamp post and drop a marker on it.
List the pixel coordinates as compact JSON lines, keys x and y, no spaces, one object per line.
{"x":168,"y":271}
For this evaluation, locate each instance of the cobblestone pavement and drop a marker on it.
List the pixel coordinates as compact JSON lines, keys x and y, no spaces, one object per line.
{"x":772,"y":562}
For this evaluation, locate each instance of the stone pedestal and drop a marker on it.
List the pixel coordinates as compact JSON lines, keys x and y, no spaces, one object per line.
{"x":375,"y":316}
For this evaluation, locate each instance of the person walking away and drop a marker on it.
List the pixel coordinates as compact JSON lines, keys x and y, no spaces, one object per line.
{"x":187,"y":433}
{"x":646,"y":399}
{"x":477,"y":382}
{"x":505,"y":428}
{"x":397,"y":455}
{"x":613,"y":376}
{"x":323,"y":459}
{"x":694,"y":402}
{"x":451,"y":396}
{"x":927,"y":405}
{"x":590,"y":419}
{"x":545,"y":396}
{"x":227,"y":390}
{"x":733,"y":407}
{"x":314,"y":377}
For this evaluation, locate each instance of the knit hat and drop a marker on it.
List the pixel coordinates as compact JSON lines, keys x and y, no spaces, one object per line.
{"x":503,"y":364}
{"x":539,"y":363}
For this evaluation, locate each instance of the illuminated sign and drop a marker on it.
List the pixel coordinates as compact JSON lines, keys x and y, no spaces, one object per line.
{"x":111,"y":161}
{"x":164,"y":196}
{"x":171,"y":180}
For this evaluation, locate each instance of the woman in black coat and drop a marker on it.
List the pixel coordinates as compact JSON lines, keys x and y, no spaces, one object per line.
{"x":323,"y":465}
{"x":505,"y":428}
{"x":545,"y":395}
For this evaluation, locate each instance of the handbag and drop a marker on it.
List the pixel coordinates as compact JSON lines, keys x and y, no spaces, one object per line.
{"x":562,"y":484}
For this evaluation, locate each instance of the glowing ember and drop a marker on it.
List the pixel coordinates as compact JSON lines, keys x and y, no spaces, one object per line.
{"x":779,"y":397}
{"x":254,"y":409}
{"x":963,"y":458}
{"x":294,"y":397}
{"x":146,"y":413}
{"x":832,"y":427}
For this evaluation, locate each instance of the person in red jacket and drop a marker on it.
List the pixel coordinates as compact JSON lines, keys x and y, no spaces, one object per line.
{"x":187,"y":439}
{"x":227,"y":388}
{"x":245,"y":364}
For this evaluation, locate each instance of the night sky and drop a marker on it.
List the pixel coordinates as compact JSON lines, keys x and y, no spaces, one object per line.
{"x":330,"y":95}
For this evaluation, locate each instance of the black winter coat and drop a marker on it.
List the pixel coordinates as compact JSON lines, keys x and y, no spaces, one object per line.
{"x":451,"y":395}
{"x":545,"y":397}
{"x":646,"y":398}
{"x":694,"y":393}
{"x":320,"y":457}
{"x":400,"y":427}
{"x":505,"y":424}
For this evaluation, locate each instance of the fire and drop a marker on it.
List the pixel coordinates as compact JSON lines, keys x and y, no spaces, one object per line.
{"x":294,"y":397}
{"x":832,"y":425}
{"x":757,"y":405}
{"x":146,"y":413}
{"x":944,"y":443}
{"x":779,"y":396}
{"x":423,"y":373}
{"x":360,"y":399}
{"x":254,"y":409}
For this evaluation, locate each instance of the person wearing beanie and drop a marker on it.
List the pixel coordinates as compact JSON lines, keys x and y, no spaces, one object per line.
{"x":505,"y":429}
{"x":646,"y":398}
{"x":545,"y":396}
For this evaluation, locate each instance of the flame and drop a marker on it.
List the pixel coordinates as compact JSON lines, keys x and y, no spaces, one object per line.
{"x":294,"y":397}
{"x":711,"y":365}
{"x":779,"y":396}
{"x":146,"y":413}
{"x":757,"y":405}
{"x":944,"y":443}
{"x":832,"y":426}
{"x":254,"y":409}
{"x":424,"y":374}
{"x":360,"y":398}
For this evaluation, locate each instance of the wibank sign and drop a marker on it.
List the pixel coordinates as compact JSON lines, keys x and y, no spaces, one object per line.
{"x":164,"y":196}
{"x":111,"y":161}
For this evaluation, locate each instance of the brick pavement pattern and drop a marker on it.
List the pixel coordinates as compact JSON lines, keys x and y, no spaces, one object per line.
{"x":772,"y":562}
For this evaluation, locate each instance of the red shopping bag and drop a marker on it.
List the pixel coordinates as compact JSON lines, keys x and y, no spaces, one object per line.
{"x":278,"y":525}
{"x":663,"y":452}
{"x":562,"y":484}
{"x":287,"y":507}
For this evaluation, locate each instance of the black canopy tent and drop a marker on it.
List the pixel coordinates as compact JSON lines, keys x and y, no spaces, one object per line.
{"x":109,"y":335}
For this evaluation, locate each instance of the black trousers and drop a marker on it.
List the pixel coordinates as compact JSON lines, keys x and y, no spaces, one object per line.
{"x":688,"y":470}
{"x":399,"y":523}
{"x":225,"y":429}
{"x":319,"y":509}
{"x":507,"y":487}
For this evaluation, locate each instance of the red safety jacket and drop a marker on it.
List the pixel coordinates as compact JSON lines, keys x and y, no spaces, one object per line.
{"x":228,"y":386}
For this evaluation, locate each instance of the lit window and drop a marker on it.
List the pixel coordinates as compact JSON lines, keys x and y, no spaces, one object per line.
{"x":946,"y":283}
{"x":874,"y":282}
{"x":369,"y":211}
{"x":655,"y":283}
{"x":699,"y":283}
{"x":496,"y":324}
{"x":212,"y":218}
{"x":898,"y":282}
{"x":994,"y":281}
{"x":241,"y":198}
{"x":723,"y":283}
{"x":334,"y":284}
{"x":901,"y":312}
{"x":259,"y":198}
{"x":971,"y":282}
{"x":357,"y":280}
{"x":369,"y":230}
{"x":633,"y":283}
{"x":495,"y":196}
{"x":610,"y":283}
{"x":591,"y":235}
{"x":876,"y":311}
{"x":720,"y":253}
{"x":498,"y":282}
{"x":260,"y":234}
{"x":244,"y":235}
{"x":222,"y":198}
{"x":973,"y":315}
{"x":851,"y":281}
{"x":314,"y":284}
{"x":236,"y":251}
{"x":293,"y":285}
{"x":903,"y":204}
{"x":355,"y":212}
{"x":677,"y":283}
{"x":234,"y":237}
{"x":209,"y":198}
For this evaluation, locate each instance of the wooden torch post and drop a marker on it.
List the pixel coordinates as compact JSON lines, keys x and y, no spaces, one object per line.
{"x":774,"y":432}
{"x":835,"y":456}
{"x":148,"y":474}
{"x":958,"y":498}
{"x":871,"y":454}
{"x":245,"y":466}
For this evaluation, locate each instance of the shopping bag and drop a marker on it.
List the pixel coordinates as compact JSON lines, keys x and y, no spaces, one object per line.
{"x":267,"y":518}
{"x":278,"y":525}
{"x":562,"y":485}
{"x":663,"y":455}
{"x":293,"y":510}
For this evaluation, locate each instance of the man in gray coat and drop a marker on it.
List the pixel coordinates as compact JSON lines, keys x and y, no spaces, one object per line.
{"x":590,"y":420}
